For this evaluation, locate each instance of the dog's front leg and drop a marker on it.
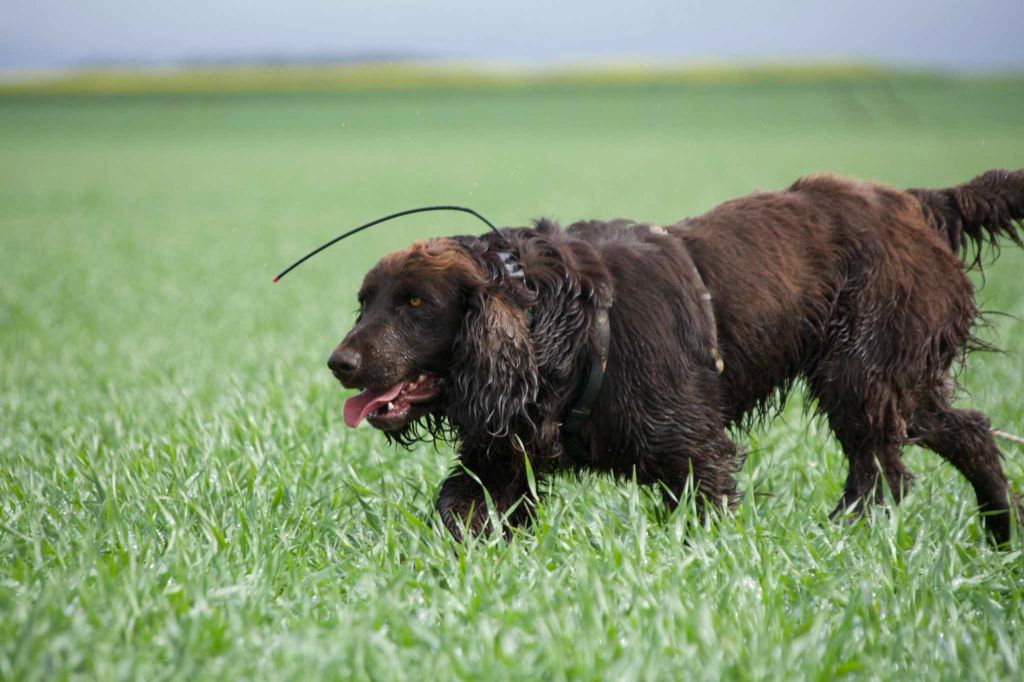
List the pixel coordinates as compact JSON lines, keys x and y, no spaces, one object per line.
{"x":462,"y":502}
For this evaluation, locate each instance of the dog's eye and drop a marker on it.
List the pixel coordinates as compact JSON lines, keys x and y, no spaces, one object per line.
{"x":415,"y":301}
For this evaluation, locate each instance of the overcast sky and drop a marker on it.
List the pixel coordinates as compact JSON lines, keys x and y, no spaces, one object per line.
{"x":967,"y":35}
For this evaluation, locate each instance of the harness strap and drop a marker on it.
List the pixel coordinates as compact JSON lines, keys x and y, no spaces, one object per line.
{"x":709,"y":313}
{"x":580,"y":411}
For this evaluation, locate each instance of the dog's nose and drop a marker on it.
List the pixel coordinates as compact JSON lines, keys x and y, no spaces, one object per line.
{"x":343,"y":362}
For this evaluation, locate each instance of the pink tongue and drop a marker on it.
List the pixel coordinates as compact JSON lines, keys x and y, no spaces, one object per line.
{"x":362,"y":404}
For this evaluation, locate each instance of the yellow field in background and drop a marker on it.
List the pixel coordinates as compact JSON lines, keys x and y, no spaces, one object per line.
{"x":397,"y":76}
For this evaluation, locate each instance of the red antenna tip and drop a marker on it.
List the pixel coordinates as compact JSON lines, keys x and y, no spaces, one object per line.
{"x":276,"y":278}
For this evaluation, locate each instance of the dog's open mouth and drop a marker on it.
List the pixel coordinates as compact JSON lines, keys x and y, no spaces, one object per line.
{"x":392,"y":408}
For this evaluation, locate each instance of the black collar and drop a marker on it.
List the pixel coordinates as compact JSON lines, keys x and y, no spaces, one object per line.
{"x":580,"y":412}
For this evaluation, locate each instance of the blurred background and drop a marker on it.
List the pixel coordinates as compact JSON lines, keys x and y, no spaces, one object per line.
{"x":217,"y":140}
{"x":978,"y":35}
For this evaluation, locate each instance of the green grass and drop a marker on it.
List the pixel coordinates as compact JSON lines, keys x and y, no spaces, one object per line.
{"x":179,"y":497}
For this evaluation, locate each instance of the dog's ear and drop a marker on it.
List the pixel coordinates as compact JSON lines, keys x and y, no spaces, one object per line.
{"x":494,"y":372}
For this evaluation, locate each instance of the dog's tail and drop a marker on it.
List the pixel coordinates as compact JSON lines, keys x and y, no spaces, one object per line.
{"x":978,"y":212}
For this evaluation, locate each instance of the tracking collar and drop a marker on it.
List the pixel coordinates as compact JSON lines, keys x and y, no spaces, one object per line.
{"x":582,"y":406}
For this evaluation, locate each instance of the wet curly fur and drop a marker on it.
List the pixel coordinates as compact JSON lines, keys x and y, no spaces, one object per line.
{"x":853,"y":287}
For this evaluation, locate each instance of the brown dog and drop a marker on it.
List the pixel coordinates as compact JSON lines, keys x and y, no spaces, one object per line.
{"x":854,"y":287}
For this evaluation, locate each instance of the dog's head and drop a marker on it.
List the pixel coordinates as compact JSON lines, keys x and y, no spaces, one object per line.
{"x":440,"y":334}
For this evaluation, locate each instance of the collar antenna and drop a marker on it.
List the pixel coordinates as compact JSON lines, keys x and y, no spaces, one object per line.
{"x":422,"y":209}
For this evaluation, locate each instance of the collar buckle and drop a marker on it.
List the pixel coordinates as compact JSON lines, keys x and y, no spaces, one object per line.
{"x":511,"y":264}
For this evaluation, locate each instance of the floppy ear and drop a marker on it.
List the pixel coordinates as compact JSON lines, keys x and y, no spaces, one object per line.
{"x":494,"y":372}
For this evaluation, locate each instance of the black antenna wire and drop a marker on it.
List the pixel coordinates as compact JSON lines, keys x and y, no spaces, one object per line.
{"x":386,"y":218}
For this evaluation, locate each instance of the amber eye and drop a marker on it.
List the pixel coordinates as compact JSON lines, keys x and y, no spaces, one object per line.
{"x":415,"y":301}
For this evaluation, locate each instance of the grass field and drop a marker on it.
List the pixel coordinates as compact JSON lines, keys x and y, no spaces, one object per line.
{"x":179,"y":498}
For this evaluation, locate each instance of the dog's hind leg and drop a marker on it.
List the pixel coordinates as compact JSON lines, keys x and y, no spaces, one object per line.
{"x":964,"y":439}
{"x":871,"y":431}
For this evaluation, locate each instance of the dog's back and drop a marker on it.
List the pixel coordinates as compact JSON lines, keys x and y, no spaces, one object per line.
{"x":826,"y":266}
{"x":858,"y":288}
